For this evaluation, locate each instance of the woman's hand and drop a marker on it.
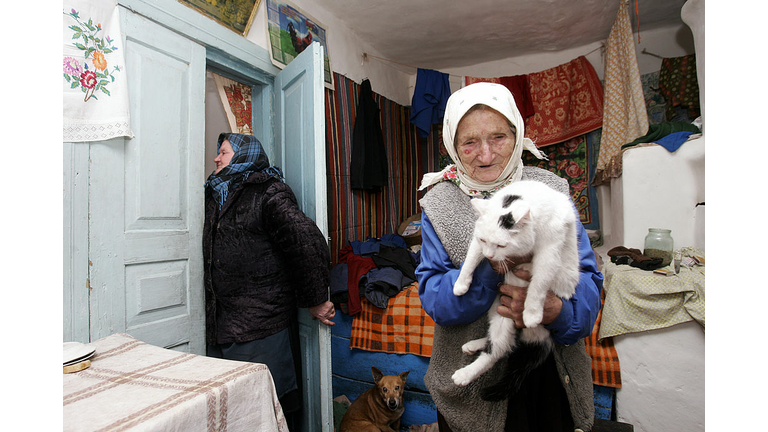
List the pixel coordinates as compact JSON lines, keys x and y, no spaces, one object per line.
{"x":513,"y":302}
{"x":324,"y":312}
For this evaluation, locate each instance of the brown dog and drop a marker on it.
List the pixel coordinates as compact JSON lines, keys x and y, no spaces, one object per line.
{"x":379,"y":408}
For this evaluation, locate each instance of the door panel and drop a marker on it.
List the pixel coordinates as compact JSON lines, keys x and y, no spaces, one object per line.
{"x":300,"y":152}
{"x":75,"y":212}
{"x":146,"y":197}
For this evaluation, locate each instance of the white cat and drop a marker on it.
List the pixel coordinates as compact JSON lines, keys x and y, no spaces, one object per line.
{"x":522,"y":219}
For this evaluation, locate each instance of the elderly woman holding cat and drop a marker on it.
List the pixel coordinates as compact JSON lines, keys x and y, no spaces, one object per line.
{"x":483,"y":133}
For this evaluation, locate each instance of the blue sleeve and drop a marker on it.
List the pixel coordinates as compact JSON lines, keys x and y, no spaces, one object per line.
{"x":577,"y":318}
{"x":436,"y":275}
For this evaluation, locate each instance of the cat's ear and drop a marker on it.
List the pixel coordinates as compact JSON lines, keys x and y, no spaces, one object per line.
{"x":523,"y":215}
{"x":480,"y":205}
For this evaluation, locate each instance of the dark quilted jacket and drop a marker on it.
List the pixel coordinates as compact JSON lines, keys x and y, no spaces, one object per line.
{"x":263,"y":258}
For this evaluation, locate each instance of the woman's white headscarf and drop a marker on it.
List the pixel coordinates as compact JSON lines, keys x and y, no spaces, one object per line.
{"x":499,"y":98}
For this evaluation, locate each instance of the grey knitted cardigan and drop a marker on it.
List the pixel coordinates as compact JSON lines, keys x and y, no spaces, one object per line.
{"x":451,"y":214}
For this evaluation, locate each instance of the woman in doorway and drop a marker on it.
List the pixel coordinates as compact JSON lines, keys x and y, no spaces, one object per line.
{"x":263,"y":258}
{"x":483,"y":133}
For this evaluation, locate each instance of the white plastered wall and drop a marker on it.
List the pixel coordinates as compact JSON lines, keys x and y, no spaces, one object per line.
{"x":661,"y":190}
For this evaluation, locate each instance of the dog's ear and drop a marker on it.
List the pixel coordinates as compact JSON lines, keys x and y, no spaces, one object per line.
{"x":404,"y":375}
{"x":377,"y":375}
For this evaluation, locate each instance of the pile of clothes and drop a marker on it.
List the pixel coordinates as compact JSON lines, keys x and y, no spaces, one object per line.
{"x":634,"y":257}
{"x":375,"y":269}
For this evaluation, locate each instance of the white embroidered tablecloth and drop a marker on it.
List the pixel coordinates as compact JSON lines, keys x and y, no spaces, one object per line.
{"x":96,"y":104}
{"x":132,"y":385}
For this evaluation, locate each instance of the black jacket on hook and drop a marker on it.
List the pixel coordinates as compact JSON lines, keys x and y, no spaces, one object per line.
{"x":368,"y":164}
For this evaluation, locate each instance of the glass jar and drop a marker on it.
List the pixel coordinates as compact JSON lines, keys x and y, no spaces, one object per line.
{"x":659,"y":244}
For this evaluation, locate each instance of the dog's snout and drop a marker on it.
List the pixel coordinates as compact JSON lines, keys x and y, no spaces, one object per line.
{"x":392,"y":404}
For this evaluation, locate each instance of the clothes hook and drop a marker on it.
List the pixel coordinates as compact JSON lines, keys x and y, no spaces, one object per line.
{"x":645,"y":51}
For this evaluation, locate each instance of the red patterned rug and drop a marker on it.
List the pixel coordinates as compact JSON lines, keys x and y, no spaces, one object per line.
{"x":567,"y":102}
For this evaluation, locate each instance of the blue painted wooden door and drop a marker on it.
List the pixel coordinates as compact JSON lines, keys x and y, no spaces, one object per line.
{"x":145,"y":197}
{"x":299,"y":148}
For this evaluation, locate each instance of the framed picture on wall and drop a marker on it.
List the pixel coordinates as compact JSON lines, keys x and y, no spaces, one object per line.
{"x":236,"y":15}
{"x":290,"y":30}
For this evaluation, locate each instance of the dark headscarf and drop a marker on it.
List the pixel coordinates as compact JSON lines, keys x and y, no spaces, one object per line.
{"x":249,"y":158}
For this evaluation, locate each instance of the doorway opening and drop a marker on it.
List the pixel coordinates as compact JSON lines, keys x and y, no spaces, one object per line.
{"x":228,"y":108}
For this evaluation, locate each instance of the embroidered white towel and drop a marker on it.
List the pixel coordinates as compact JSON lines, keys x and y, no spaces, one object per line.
{"x":96,"y":104}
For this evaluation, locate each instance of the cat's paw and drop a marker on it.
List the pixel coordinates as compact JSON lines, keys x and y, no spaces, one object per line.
{"x":460,"y":288}
{"x":532,"y":318}
{"x":474,"y":346}
{"x":524,"y":266}
{"x":462,"y":377}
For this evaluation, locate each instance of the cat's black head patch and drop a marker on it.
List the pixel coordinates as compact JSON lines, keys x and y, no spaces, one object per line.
{"x":509,"y":199}
{"x":506,"y":221}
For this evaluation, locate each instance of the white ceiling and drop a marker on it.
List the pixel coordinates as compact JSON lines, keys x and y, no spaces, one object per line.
{"x":439,"y":34}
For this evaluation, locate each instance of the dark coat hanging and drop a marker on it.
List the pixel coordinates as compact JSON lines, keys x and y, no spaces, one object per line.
{"x":368,"y":164}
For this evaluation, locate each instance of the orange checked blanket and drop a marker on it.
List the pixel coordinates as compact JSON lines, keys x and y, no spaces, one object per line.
{"x":402,"y":328}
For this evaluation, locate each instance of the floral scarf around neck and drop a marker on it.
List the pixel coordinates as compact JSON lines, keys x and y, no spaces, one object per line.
{"x":450,"y":174}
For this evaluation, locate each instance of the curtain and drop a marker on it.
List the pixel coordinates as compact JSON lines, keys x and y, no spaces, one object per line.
{"x":358,"y":215}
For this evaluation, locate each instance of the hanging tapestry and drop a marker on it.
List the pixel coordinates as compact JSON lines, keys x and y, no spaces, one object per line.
{"x":96,"y":105}
{"x":358,"y":215}
{"x":567,"y":101}
{"x":679,"y":85}
{"x":518,"y":86}
{"x":236,"y":100}
{"x":561,"y":103}
{"x":572,"y":160}
{"x":624,"y":116}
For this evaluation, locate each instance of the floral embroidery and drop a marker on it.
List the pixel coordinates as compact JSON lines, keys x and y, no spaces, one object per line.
{"x":72,"y":66}
{"x":571,"y":161}
{"x":99,"y":61}
{"x":88,"y":79}
{"x":96,"y":76}
{"x":451,"y":175}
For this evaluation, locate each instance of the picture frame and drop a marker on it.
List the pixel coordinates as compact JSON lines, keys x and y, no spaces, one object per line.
{"x":236,"y":15}
{"x":290,"y":30}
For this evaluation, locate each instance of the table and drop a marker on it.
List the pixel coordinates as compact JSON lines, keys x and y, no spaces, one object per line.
{"x":657,"y":326}
{"x":132,"y":385}
{"x":639,"y":300}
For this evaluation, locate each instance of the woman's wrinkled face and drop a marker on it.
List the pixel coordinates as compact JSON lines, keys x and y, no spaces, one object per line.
{"x":485,"y":143}
{"x":224,"y":156}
